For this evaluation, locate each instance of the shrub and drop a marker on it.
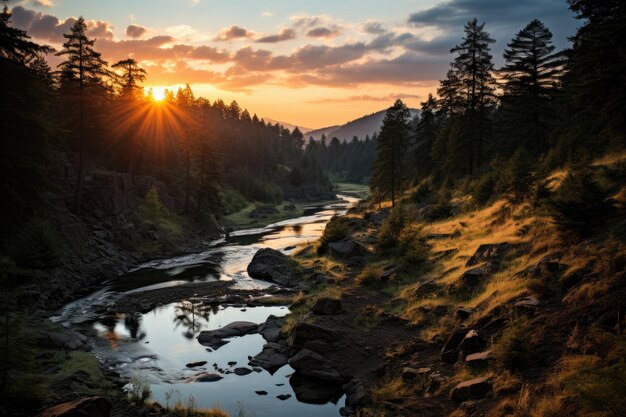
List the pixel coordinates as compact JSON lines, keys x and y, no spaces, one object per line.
{"x":442,"y":208}
{"x":138,"y":391}
{"x":422,"y":191}
{"x":511,"y":351}
{"x":580,"y":202}
{"x":336,"y":229}
{"x":412,"y":245}
{"x":369,"y":275}
{"x":38,"y":246}
{"x":153,"y":211}
{"x":515,"y":178}
{"x":392,"y":226}
{"x":482,"y":189}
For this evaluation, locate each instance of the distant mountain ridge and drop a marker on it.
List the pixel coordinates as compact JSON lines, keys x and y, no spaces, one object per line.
{"x":361,"y":127}
{"x":289,"y":126}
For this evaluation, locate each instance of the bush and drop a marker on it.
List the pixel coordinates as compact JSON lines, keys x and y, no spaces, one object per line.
{"x":336,"y":229}
{"x":512,"y":352}
{"x":233,"y":201}
{"x":153,"y":211}
{"x":442,"y":208}
{"x":38,"y":246}
{"x":482,"y":188}
{"x":412,"y":245}
{"x":515,"y":177}
{"x":370,"y":275}
{"x":138,"y":391}
{"x":421,"y":192}
{"x":580,"y":202}
{"x":389,"y":232}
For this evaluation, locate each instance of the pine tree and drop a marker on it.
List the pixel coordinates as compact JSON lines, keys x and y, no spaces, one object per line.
{"x":15,"y":44}
{"x":129,"y":81}
{"x":85,"y":67}
{"x":388,"y":176}
{"x":531,"y":76}
{"x":426,"y":135}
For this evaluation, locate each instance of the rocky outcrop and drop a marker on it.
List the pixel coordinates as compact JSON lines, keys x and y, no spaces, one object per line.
{"x":215,"y":338}
{"x":474,"y":389}
{"x":272,"y":358}
{"x":474,"y":276}
{"x":313,"y":365}
{"x":488,"y":252}
{"x":308,"y":332}
{"x":346,"y":249}
{"x":271,"y":330}
{"x":272,"y":265}
{"x":326,"y":306}
{"x":90,"y":406}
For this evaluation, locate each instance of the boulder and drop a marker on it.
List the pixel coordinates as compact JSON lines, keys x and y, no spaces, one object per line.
{"x":206,"y":377}
{"x":272,"y":358}
{"x":462,"y":313}
{"x":487,"y":252}
{"x":425,"y":289}
{"x":85,"y":407}
{"x":527,"y":304}
{"x":474,"y":276}
{"x":346,"y":248}
{"x":356,"y":393}
{"x":474,"y":389}
{"x":215,"y":338}
{"x":471,"y":343}
{"x":313,"y":391}
{"x":449,"y":352}
{"x":242,"y":371}
{"x":478,"y":359}
{"x":415,"y":374}
{"x":283,"y":397}
{"x":195,"y":364}
{"x":304,"y":332}
{"x":271,"y":330}
{"x":326,"y":306}
{"x":313,"y":365}
{"x":274,"y":266}
{"x":66,"y":339}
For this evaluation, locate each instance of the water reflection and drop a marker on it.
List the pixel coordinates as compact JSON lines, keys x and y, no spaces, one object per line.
{"x":192,"y":316}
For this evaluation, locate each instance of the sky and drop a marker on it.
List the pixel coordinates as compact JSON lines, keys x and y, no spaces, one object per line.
{"x":311,"y":63}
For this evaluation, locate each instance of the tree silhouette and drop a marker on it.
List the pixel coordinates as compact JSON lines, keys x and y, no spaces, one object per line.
{"x":84,"y":67}
{"x":132,"y":75}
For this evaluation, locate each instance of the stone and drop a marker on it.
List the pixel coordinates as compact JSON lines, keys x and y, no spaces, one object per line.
{"x":313,"y":391}
{"x":313,"y":365}
{"x":425,"y":289}
{"x":206,"y":377}
{"x":471,"y":343}
{"x":346,"y":249}
{"x":215,"y":338}
{"x":528,"y":304}
{"x":474,"y":276}
{"x":478,"y":359}
{"x":415,"y":374}
{"x":274,"y":266}
{"x":89,"y":406}
{"x":195,"y":364}
{"x":271,"y":330}
{"x":487,"y":252}
{"x":356,"y":393}
{"x":435,"y":380}
{"x":65,"y":339}
{"x":449,"y":352}
{"x":272,"y":358}
{"x":261,"y":392}
{"x":389,"y":272}
{"x":473,"y":389}
{"x":462,"y":313}
{"x":283,"y":397}
{"x":309,"y":331}
{"x":326,"y":306}
{"x":242,"y":371}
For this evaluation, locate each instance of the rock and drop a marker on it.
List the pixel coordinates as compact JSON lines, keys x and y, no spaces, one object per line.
{"x":272,"y":358}
{"x":85,"y":407}
{"x":345,"y":411}
{"x":449,"y":352}
{"x":529,"y":304}
{"x":471,"y":343}
{"x":435,"y":380}
{"x":313,"y":391}
{"x":356,"y":393}
{"x":232,"y":363}
{"x":462,"y":313}
{"x":313,"y":365}
{"x":65,"y":339}
{"x":388,"y":272}
{"x":319,"y":346}
{"x":206,"y":377}
{"x":214,"y":338}
{"x":261,"y":392}
{"x":478,"y":359}
{"x":346,"y":249}
{"x":308,"y":331}
{"x":474,"y":389}
{"x":195,"y":364}
{"x":242,"y":371}
{"x":488,"y":252}
{"x":271,"y":330}
{"x":377,"y":217}
{"x":425,"y":289}
{"x":326,"y":306}
{"x":474,"y":276}
{"x":283,"y":397}
{"x":548,"y":266}
{"x":272,"y":265}
{"x":413,"y":374}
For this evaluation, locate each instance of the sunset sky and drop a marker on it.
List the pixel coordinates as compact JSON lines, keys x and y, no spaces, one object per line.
{"x":310,"y":63}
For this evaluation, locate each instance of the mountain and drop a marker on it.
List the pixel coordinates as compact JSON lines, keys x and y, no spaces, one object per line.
{"x":361,"y":127}
{"x":287,"y":125}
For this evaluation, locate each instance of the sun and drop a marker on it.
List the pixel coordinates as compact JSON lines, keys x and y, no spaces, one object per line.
{"x":156,"y":94}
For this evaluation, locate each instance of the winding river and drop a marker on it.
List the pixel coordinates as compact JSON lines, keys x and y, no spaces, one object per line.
{"x":156,"y":347}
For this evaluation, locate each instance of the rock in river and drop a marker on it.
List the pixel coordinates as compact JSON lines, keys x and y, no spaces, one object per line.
{"x":272,"y":265}
{"x":313,"y":365}
{"x":272,"y":357}
{"x":215,"y":338}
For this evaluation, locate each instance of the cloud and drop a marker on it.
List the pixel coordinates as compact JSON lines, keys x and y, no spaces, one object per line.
{"x":135,"y":31}
{"x":284,"y":34}
{"x":324,"y":32}
{"x":232,"y":33}
{"x":307,"y":21}
{"x":374,"y":28}
{"x":366,"y":97}
{"x":42,"y":3}
{"x":267,"y":14}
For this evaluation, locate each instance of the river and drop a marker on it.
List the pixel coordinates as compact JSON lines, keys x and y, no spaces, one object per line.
{"x":156,"y":347}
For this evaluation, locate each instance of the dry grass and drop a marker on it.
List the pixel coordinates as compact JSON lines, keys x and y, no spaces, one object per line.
{"x":394,"y":389}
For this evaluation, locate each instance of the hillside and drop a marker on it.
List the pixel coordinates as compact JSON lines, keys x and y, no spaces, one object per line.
{"x":361,"y":127}
{"x":287,"y":125}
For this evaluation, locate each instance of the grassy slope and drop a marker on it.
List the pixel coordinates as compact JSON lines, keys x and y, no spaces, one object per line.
{"x":562,"y":358}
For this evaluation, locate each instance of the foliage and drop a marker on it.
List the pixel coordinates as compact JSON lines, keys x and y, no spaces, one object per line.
{"x":138,"y":391}
{"x":412,"y":245}
{"x":154,"y":212}
{"x":511,"y":351}
{"x":515,"y":177}
{"x":336,"y":229}
{"x":389,"y":232}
